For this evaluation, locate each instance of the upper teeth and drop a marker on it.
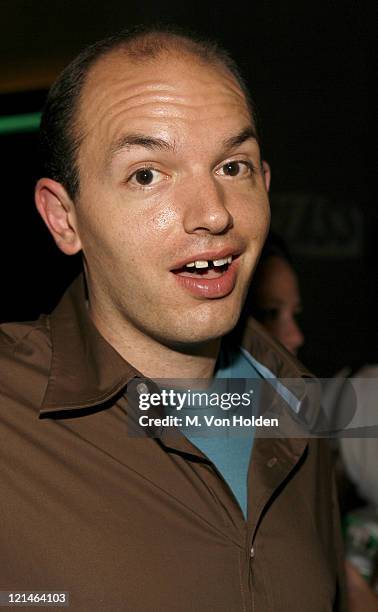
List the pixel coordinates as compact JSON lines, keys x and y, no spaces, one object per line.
{"x":203,"y":263}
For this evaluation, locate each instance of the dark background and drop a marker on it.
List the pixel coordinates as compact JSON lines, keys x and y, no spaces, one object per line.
{"x":310,"y":69}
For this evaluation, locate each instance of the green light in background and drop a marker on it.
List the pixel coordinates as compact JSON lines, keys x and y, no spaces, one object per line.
{"x":20,"y":123}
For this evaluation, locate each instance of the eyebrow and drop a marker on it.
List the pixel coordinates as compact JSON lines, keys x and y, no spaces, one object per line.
{"x":159,"y":144}
{"x":275,"y":302}
{"x":139,"y":140}
{"x":247,"y":133}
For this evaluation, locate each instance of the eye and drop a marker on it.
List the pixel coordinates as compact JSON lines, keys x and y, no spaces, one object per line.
{"x":144,"y":177}
{"x":236,"y":168}
{"x":269,"y":314}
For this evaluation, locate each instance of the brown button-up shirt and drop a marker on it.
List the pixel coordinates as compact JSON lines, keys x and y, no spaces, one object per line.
{"x":142,"y":524}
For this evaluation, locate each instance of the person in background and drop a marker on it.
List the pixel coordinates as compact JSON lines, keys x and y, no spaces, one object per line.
{"x":274,"y":296}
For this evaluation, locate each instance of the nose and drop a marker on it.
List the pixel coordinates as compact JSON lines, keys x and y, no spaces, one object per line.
{"x":294,"y":337}
{"x":206,"y":209}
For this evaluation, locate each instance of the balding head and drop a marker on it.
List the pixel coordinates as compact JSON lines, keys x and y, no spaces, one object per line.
{"x":170,"y":174}
{"x":61,"y":129}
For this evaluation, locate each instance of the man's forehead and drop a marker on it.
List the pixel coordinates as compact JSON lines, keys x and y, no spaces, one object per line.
{"x":119,"y":78}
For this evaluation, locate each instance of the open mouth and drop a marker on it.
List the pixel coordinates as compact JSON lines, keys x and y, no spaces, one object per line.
{"x":206,"y":269}
{"x":208,"y":278}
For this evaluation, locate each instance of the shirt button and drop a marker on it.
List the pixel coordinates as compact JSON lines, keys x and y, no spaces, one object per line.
{"x":272,"y":462}
{"x":142,"y":388}
{"x":252,"y":553}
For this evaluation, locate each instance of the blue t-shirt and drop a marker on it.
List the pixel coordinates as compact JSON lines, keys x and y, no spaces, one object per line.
{"x":230,"y":452}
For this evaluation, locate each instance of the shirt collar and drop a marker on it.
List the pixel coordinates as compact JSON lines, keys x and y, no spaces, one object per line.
{"x":85,"y":369}
{"x":292,"y":381}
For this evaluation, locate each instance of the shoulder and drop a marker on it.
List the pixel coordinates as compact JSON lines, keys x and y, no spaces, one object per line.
{"x":18,"y":341}
{"x":25,"y":358}
{"x":14,"y":332}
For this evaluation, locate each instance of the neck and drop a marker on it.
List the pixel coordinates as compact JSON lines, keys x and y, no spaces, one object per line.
{"x":152,"y":358}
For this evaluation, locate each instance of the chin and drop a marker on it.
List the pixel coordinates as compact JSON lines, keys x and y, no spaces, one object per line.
{"x":205,"y":329}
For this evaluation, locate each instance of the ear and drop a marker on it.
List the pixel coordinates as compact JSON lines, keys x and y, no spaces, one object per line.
{"x":267,"y":174}
{"x":58,"y":212}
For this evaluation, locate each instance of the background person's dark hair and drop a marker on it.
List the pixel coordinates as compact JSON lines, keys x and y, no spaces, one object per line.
{"x":60,"y":134}
{"x":275,"y":246}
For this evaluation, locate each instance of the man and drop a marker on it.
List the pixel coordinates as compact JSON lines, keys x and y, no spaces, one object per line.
{"x":154,"y":173}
